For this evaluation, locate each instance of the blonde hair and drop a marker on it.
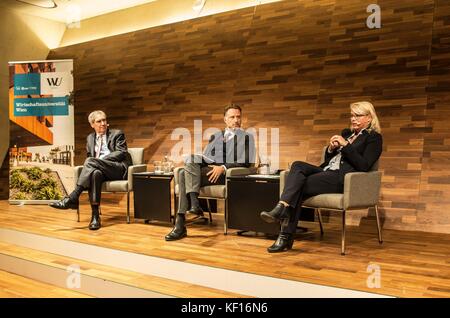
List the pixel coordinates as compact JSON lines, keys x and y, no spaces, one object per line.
{"x":366,"y":108}
{"x":92,"y":116}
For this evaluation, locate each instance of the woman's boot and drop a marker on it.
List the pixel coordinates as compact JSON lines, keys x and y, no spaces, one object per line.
{"x":283,"y":242}
{"x":278,"y":213}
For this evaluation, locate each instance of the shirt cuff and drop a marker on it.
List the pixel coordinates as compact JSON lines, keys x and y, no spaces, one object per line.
{"x":225,"y":169}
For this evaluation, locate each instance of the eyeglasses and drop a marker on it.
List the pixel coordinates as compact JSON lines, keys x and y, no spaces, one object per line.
{"x":357,"y":115}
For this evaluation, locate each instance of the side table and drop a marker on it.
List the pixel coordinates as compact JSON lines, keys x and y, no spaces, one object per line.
{"x":152,"y":196}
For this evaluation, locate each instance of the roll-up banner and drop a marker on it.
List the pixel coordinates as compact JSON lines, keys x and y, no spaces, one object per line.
{"x":41,"y":130}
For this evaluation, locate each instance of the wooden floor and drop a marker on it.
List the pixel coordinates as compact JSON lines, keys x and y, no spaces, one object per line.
{"x":412,"y":264}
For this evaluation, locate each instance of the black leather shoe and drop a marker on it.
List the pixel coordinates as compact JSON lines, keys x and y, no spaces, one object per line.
{"x":283,"y":242}
{"x":179,"y":230}
{"x":95,"y":222}
{"x":278,"y":213}
{"x":196,"y":210}
{"x":64,"y":204}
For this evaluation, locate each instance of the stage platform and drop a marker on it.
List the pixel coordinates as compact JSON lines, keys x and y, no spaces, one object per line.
{"x":134,"y":260}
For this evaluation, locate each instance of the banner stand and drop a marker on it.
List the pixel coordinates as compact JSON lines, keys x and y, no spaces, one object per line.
{"x":41,"y":115}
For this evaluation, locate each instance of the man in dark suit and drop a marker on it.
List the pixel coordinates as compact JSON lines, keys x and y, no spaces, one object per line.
{"x":107,"y":160}
{"x":230,"y":148}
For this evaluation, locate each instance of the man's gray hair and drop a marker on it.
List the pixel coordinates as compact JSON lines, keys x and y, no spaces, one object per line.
{"x":92,"y":116}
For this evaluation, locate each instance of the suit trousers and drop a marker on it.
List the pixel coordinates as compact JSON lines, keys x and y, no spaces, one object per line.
{"x":191,"y":178}
{"x":95,"y":171}
{"x":304,"y":181}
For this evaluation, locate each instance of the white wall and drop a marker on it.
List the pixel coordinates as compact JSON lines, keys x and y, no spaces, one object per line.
{"x":22,"y":37}
{"x":147,"y":16}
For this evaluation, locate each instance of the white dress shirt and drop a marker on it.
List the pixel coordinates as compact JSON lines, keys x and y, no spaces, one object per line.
{"x":101,"y":146}
{"x":227,"y":136}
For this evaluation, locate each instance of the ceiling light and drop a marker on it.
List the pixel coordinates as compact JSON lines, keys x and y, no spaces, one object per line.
{"x":46,"y":4}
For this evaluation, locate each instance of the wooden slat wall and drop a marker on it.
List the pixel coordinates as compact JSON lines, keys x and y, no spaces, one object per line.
{"x":295,"y":65}
{"x":434,"y":212}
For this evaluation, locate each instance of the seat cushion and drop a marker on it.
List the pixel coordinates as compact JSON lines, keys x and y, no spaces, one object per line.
{"x":329,"y":200}
{"x":115,"y":186}
{"x":213,"y":191}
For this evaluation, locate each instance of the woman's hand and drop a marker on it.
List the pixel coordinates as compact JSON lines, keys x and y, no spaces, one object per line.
{"x":338,"y":141}
{"x":332,"y":146}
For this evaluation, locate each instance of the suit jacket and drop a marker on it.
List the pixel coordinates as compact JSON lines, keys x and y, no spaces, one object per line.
{"x":359,"y":155}
{"x":237,"y":152}
{"x":117,"y":144}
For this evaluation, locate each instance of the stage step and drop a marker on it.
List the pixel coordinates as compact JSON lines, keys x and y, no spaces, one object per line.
{"x":107,"y":272}
{"x":77,"y":277}
{"x":15,"y":286}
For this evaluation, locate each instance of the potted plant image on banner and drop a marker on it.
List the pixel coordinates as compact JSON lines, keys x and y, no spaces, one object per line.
{"x":41,"y":153}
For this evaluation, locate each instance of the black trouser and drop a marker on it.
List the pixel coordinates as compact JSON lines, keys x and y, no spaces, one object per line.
{"x":304,"y":181}
{"x":95,"y":172}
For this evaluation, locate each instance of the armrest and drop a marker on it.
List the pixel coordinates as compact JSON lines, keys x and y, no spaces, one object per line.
{"x":239,"y":171}
{"x":76,"y":174}
{"x":361,"y":189}
{"x":283,"y":175}
{"x":134,"y":169}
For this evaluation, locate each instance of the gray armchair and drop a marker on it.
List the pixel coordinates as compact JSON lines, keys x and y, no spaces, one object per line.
{"x":216,"y":192}
{"x":117,"y":186}
{"x":361,"y":191}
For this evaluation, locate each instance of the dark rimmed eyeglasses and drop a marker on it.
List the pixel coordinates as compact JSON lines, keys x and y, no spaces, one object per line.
{"x":357,"y":115}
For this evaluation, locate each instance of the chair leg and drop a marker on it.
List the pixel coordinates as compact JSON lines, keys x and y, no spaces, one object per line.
{"x":78,"y":214}
{"x":225,"y":219}
{"x":128,"y":207}
{"x":209,"y":210}
{"x":380,"y":238}
{"x":343,"y":234}
{"x":319,"y":216}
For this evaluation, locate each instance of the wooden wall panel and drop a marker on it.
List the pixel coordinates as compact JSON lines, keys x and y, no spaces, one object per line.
{"x":295,"y":65}
{"x":279,"y":80}
{"x":389,"y":67}
{"x":434,"y":212}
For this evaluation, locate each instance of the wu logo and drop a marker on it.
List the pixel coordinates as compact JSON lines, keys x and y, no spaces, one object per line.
{"x":54,"y":81}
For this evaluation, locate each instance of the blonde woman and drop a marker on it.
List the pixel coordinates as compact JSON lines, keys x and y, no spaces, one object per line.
{"x":356,"y":149}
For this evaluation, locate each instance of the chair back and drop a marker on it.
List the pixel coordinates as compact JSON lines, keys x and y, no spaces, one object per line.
{"x":137,"y":155}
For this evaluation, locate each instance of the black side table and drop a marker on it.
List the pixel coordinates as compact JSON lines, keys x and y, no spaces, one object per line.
{"x":152,"y":196}
{"x":247,"y":196}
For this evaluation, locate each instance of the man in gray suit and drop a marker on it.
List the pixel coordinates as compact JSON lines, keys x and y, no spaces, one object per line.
{"x":230,"y":148}
{"x":107,"y":159}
